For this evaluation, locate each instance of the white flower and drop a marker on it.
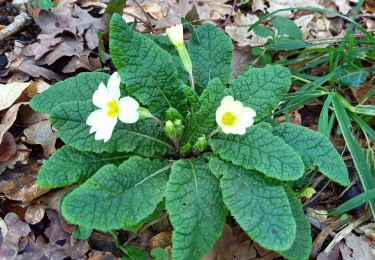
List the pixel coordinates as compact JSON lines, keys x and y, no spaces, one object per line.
{"x":233,"y":117}
{"x":111,"y":107}
{"x":176,"y":35}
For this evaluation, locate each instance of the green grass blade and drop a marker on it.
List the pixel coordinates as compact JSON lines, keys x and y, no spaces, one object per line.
{"x":359,"y":159}
{"x":353,"y":203}
{"x":363,"y":125}
{"x":315,"y":9}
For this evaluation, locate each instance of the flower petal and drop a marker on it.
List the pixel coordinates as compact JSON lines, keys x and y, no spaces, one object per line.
{"x":246,"y":118}
{"x":105,"y":131}
{"x":176,"y":35}
{"x":227,"y":101}
{"x":113,"y":85}
{"x":96,"y":117}
{"x":101,"y":96}
{"x":128,"y":110}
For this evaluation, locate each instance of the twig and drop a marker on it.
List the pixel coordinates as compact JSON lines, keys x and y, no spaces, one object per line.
{"x":346,"y":231}
{"x":146,"y":14}
{"x":20,"y":21}
{"x":230,"y":14}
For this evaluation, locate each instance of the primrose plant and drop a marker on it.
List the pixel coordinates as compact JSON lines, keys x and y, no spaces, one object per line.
{"x":172,"y":131}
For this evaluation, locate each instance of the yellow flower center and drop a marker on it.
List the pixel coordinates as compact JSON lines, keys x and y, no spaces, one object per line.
{"x":113,"y":108}
{"x":228,"y":119}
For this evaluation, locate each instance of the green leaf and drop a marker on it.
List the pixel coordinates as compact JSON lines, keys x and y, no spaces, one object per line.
{"x":192,"y":97}
{"x":261,"y":88}
{"x":68,"y":166}
{"x":286,"y":27}
{"x":78,"y":88}
{"x":259,"y":150}
{"x":203,"y":121}
{"x":316,"y":150}
{"x":286,"y":44}
{"x":260,"y":205}
{"x":147,"y":69}
{"x":195,"y":208}
{"x":211,"y":55}
{"x":353,"y":203}
{"x":117,"y":195}
{"x":159,"y":254}
{"x":350,"y":76}
{"x":115,"y":6}
{"x":302,"y":245}
{"x":43,"y":4}
{"x":135,"y":253}
{"x":355,"y":150}
{"x":263,"y":31}
{"x":144,"y":137}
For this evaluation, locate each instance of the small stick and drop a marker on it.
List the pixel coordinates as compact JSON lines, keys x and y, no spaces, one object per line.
{"x":20,"y":21}
{"x":230,"y":14}
{"x":146,"y":14}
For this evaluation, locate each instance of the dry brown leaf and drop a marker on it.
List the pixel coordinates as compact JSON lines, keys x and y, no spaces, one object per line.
{"x":15,"y":230}
{"x":9,"y":118}
{"x":258,"y":5}
{"x":357,"y":247}
{"x":163,"y":239}
{"x":8,"y":147}
{"x":66,"y":48}
{"x":22,"y":156}
{"x":45,"y":44}
{"x":154,"y":9}
{"x":238,"y":31}
{"x":275,"y":5}
{"x":82,"y":61}
{"x":34,"y":213}
{"x":10,"y":92}
{"x":42,"y":133}
{"x":369,"y":230}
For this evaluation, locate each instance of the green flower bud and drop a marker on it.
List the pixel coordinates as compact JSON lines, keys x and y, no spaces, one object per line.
{"x":169,"y":129}
{"x":174,"y":129}
{"x":201,"y":144}
{"x":173,"y":114}
{"x":144,"y":113}
{"x":185,"y":149}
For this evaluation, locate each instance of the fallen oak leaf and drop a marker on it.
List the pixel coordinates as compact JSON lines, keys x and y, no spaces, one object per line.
{"x":8,"y":147}
{"x":15,"y":230}
{"x":42,"y":133}
{"x":9,"y":118}
{"x":10,"y":92}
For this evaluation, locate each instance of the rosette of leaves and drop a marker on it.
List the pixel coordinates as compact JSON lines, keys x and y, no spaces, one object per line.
{"x":125,"y":182}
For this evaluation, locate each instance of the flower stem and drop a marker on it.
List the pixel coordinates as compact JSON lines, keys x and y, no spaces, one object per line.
{"x":214,"y":132}
{"x":177,"y":144}
{"x":191,"y":78}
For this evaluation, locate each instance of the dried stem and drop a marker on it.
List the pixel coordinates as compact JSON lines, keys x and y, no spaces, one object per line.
{"x":146,"y":14}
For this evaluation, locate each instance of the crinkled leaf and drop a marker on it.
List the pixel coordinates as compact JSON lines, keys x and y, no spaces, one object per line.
{"x":78,"y":88}
{"x":302,"y":245}
{"x":258,"y":149}
{"x":144,"y":137}
{"x":192,"y":97}
{"x":147,"y":69}
{"x":316,"y":150}
{"x":211,"y":55}
{"x":68,"y":166}
{"x":195,"y":208}
{"x":203,"y":121}
{"x":117,"y":195}
{"x":261,"y":88}
{"x":260,"y":205}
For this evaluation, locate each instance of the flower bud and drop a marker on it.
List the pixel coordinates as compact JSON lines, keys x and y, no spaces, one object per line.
{"x":176,"y":36}
{"x":174,"y":129}
{"x":173,"y":114}
{"x":144,"y":113}
{"x":201,"y":144}
{"x":185,"y":149}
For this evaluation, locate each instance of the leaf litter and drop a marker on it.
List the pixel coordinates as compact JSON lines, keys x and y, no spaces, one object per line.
{"x":66,"y":44}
